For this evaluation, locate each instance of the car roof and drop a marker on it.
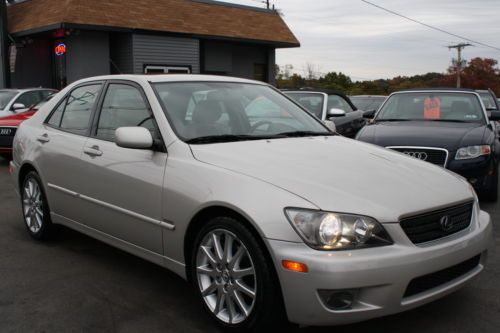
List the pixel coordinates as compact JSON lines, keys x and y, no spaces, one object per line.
{"x":317,"y":90}
{"x":368,"y":96}
{"x":157,"y":78}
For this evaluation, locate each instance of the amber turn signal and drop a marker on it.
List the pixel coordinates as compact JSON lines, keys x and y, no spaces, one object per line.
{"x":295,"y":266}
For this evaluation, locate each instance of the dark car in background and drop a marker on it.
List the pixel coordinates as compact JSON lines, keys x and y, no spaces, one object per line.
{"x":489,"y":100}
{"x":331,"y":105}
{"x":446,"y":127}
{"x":368,"y":102}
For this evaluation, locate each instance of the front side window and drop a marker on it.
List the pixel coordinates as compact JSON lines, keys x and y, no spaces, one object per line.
{"x":211,"y":109}
{"x":28,"y":99}
{"x":123,"y":106}
{"x":5,"y":97}
{"x":311,"y":102}
{"x":73,"y":113}
{"x":337,"y":102}
{"x":432,"y":106}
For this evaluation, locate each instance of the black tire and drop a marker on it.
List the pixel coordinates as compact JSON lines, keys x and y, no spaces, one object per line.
{"x":39,"y":228}
{"x":268,"y":310}
{"x":491,"y":195}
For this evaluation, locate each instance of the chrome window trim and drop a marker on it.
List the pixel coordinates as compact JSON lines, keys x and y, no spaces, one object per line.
{"x":422,"y":147}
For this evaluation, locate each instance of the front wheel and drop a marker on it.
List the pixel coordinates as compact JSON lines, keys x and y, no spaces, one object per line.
{"x":35,"y":208}
{"x":234,"y":279}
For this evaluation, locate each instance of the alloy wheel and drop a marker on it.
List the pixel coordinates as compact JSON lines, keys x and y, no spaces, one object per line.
{"x":32,"y":205}
{"x":226,"y":276}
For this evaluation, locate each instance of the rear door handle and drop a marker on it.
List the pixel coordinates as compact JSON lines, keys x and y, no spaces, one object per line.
{"x":92,"y":151}
{"x":44,"y":138}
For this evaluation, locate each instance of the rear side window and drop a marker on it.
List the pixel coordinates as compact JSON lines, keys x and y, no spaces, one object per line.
{"x":73,"y":114}
{"x":123,"y":106}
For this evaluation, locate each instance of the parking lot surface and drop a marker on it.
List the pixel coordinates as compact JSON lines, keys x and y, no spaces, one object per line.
{"x":76,"y":284}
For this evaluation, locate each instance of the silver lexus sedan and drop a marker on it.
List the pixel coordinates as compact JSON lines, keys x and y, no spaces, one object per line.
{"x":237,"y":189}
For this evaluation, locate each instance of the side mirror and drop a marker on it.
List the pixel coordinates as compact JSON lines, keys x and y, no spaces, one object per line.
{"x":18,"y":106}
{"x":494,"y":115}
{"x":335,"y":113}
{"x":133,"y":138}
{"x":369,"y":114}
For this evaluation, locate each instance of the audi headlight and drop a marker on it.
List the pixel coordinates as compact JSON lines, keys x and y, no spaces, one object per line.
{"x":466,"y":153}
{"x":335,"y":231}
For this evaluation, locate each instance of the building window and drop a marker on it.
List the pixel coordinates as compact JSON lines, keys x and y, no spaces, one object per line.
{"x":158,"y":69}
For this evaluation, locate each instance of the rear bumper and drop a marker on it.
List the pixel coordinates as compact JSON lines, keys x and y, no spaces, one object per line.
{"x":377,"y":278}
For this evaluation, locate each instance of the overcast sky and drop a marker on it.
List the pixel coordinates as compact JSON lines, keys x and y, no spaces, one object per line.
{"x":366,"y":42}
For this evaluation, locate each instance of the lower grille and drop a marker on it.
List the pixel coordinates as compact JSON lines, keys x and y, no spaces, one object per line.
{"x":433,"y":280}
{"x":434,"y":225}
{"x":431,"y":155}
{"x":7,"y":136}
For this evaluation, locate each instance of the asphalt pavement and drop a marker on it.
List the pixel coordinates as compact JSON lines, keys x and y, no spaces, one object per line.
{"x":77,"y":284}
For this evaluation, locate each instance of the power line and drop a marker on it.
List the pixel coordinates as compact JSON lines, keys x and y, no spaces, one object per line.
{"x":431,"y":27}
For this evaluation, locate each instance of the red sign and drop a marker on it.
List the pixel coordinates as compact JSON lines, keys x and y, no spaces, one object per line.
{"x":60,"y":49}
{"x":432,"y":108}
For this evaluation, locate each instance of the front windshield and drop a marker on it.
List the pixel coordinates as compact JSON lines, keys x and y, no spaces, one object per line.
{"x":367,"y":103}
{"x":488,"y":100}
{"x":310,"y":101}
{"x":211,"y":109}
{"x":6,"y":97}
{"x":432,"y":106}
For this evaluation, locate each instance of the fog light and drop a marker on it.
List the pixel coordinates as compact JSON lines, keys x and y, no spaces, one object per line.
{"x":337,"y":300}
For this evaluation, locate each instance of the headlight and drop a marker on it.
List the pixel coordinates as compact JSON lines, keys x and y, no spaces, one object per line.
{"x":335,"y":231}
{"x":466,"y":153}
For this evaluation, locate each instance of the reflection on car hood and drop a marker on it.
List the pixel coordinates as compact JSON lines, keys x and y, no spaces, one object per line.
{"x":446,"y":135}
{"x":339,"y":174}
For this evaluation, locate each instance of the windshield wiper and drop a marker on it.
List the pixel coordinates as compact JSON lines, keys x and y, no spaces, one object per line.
{"x":228,"y":138}
{"x":393,"y":119}
{"x":305,"y":133}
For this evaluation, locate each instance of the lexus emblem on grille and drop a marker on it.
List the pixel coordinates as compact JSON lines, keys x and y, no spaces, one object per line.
{"x":5,"y":131}
{"x":446,"y":223}
{"x":421,"y":155}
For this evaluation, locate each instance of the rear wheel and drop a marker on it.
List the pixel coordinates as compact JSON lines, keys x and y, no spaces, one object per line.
{"x":233,"y":277}
{"x":35,"y":208}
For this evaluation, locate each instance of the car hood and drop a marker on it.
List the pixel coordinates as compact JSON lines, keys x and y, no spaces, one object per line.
{"x":341,"y":175}
{"x":15,"y":119}
{"x":447,"y":135}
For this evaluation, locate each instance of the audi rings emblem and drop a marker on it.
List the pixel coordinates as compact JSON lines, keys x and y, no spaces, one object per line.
{"x":421,"y":155}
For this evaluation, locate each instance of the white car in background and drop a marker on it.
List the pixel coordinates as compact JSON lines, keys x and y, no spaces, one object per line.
{"x":20,"y":100}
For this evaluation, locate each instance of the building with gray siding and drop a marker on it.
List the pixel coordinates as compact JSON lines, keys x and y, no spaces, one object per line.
{"x":71,"y":41}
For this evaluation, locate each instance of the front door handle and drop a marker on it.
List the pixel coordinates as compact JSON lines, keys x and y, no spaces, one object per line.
{"x":92,"y":151}
{"x":44,"y":138}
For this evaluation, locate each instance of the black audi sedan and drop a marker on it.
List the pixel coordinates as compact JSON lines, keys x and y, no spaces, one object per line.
{"x":447,"y":127}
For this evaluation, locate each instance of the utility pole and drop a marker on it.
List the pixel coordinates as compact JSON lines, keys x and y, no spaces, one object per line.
{"x":267,"y":4}
{"x":459,"y":63}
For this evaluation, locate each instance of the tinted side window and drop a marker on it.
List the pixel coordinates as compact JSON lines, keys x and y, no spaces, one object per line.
{"x":29,"y":98}
{"x":123,"y":106}
{"x":56,"y":116}
{"x":78,"y":109}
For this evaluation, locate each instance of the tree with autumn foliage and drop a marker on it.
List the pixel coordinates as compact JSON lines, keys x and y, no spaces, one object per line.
{"x":479,"y":73}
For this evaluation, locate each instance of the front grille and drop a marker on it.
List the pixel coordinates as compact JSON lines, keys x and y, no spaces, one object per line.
{"x":6,"y":140}
{"x":431,"y":155}
{"x":433,"y":280}
{"x":437,"y":224}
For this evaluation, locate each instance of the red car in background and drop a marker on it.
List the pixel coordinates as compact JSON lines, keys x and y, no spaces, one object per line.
{"x":9,"y":125}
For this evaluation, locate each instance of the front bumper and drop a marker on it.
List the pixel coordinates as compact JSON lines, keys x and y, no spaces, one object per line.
{"x":480,"y":172}
{"x":378,"y":277}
